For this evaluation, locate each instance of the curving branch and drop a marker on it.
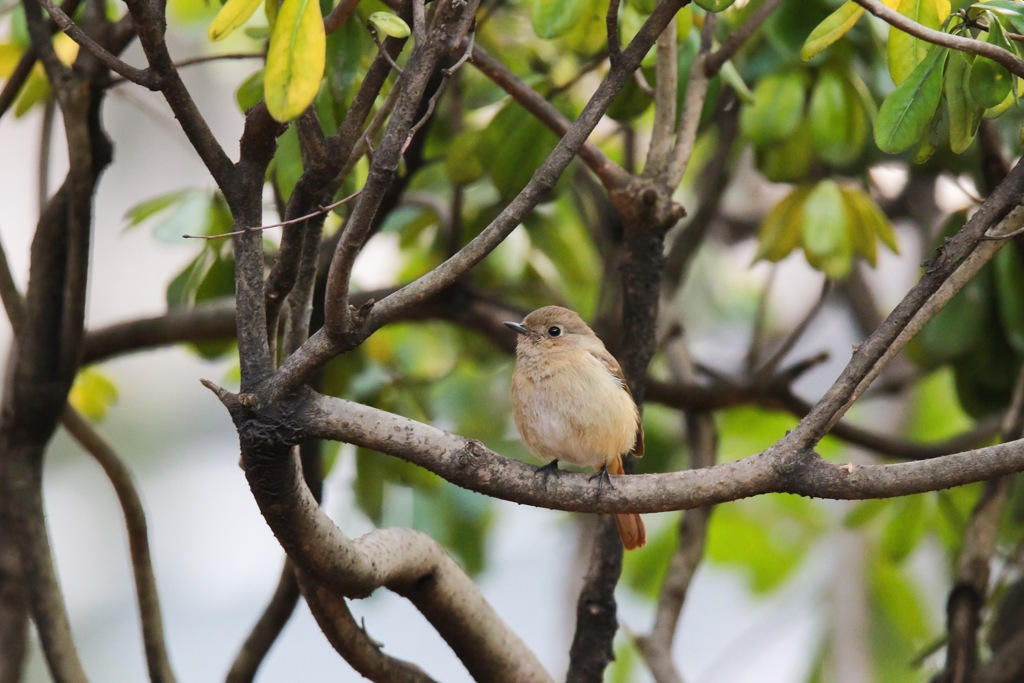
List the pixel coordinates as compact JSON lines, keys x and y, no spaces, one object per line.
{"x":352,"y":641}
{"x":407,"y":562}
{"x":267,"y":628}
{"x":120,"y":478}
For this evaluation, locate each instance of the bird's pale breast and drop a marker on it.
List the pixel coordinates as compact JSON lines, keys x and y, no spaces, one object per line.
{"x":578,"y":412}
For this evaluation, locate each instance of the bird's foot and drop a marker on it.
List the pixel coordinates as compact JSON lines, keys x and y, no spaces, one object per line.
{"x":546,"y":471}
{"x":603,"y":478}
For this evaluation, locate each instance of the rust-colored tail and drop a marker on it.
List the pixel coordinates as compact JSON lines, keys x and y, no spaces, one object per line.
{"x":631,"y":530}
{"x":630,"y":525}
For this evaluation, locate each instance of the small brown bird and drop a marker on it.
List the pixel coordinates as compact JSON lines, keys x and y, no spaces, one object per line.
{"x":571,"y":401}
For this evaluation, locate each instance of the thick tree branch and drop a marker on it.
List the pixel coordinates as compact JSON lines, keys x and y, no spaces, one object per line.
{"x":469,"y":464}
{"x":404,"y":561}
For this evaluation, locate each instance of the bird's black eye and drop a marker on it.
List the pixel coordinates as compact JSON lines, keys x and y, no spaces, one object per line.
{"x":554,"y":331}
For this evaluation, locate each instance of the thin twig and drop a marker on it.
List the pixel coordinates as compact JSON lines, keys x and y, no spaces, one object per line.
{"x":693,"y":106}
{"x":466,"y":54}
{"x":772,"y":362}
{"x":205,"y":59}
{"x":339,"y":15}
{"x":612,"y":27}
{"x":293,"y":221}
{"x":714,"y":62}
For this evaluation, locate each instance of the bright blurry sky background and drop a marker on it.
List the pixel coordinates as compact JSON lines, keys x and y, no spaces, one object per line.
{"x":216,"y":561}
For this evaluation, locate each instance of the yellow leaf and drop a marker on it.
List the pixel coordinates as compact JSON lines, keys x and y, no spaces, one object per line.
{"x":66,"y":49}
{"x":834,"y":27}
{"x":779,"y":233}
{"x":10,"y":54}
{"x":270,"y":7}
{"x":233,"y":14}
{"x":35,"y":90}
{"x":295,"y":59}
{"x":92,"y":394}
{"x":904,"y":50}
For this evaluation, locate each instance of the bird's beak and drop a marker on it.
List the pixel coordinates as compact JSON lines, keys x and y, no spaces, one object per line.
{"x":518,"y":327}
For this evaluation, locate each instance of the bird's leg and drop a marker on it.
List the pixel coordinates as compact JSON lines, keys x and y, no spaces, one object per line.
{"x":603,"y":478}
{"x":546,"y":470}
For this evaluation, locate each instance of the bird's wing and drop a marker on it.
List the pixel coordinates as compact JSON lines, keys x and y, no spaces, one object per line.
{"x":615,"y":370}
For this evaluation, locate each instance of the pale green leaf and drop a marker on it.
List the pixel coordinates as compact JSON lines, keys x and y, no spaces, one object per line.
{"x":964,"y":114}
{"x":388,"y":24}
{"x":555,"y":18}
{"x":825,"y":230}
{"x":834,"y":27}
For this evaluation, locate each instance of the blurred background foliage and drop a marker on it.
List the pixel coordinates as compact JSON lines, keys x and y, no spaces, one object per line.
{"x":815,"y":191}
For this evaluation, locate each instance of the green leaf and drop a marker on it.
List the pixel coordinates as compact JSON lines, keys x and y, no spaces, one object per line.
{"x":714,"y":5}
{"x":142,"y":211}
{"x":788,"y":161}
{"x":838,"y":122}
{"x":780,"y":231}
{"x":389,"y":24}
{"x":964,"y":114}
{"x":1009,"y":273}
{"x":233,"y":14}
{"x":834,"y":27}
{"x":513,"y":146}
{"x":898,"y":598}
{"x":344,"y":63}
{"x":555,"y":18}
{"x":905,"y":528}
{"x":250,"y":92}
{"x":295,"y":59}
{"x":957,"y":330}
{"x":905,"y":51}
{"x":630,"y":102}
{"x":731,"y":77}
{"x":990,"y":82}
{"x":92,"y":394}
{"x":868,"y":224}
{"x":825,"y":230}
{"x":905,"y":115}
{"x":777,"y":109}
